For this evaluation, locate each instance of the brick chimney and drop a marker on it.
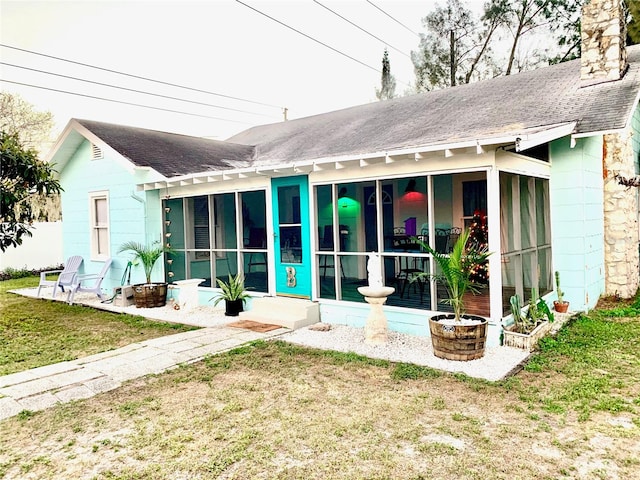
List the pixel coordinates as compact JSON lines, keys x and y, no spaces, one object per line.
{"x":604,"y":32}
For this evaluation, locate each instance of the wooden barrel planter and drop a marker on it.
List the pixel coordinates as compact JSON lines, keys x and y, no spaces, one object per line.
{"x":150,"y":295}
{"x":458,"y":340}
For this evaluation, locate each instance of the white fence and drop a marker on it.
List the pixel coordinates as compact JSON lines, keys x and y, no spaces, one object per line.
{"x":42,"y":250}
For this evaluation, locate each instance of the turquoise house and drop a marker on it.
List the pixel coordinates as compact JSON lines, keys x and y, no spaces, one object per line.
{"x":537,"y":163}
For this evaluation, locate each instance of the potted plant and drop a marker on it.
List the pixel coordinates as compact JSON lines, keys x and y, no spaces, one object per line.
{"x":233,"y":293}
{"x":150,"y":294}
{"x":528,"y":327}
{"x":458,"y":336}
{"x":560,"y":305}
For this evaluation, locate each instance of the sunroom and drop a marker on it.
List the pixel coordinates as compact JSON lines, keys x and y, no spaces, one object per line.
{"x":326,"y":225}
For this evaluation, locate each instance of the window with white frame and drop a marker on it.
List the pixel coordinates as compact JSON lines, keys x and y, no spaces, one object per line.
{"x":99,"y":218}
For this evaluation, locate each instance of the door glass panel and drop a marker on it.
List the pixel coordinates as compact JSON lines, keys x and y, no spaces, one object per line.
{"x":290,"y":229}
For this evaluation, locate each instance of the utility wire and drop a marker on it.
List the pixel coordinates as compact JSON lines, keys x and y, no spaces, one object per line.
{"x":122,"y":102}
{"x":140,"y":77}
{"x":310,"y":37}
{"x":392,"y":18}
{"x":134,"y":90}
{"x":362,"y":29}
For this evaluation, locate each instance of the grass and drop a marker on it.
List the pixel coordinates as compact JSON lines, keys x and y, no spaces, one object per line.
{"x":272,"y":410}
{"x":277,"y":411}
{"x":34,"y":333}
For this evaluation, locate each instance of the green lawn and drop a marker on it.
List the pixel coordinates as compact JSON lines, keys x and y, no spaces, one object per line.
{"x":37,"y":332}
{"x":271,"y":410}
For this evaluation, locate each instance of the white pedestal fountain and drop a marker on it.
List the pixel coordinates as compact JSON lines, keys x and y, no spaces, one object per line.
{"x":375,"y":330}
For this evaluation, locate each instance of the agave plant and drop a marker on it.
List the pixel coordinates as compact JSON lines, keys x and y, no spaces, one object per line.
{"x":148,"y":255}
{"x":456,"y":268}
{"x":231,"y":290}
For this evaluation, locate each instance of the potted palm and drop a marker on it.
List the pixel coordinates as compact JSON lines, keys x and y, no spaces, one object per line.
{"x":150,"y":294}
{"x":233,"y":293}
{"x":458,"y":336}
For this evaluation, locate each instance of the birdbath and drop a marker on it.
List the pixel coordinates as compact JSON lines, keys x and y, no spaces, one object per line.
{"x":375,"y":294}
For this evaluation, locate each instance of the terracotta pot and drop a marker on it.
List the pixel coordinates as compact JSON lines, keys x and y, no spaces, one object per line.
{"x":456,"y":340}
{"x":561,"y":307}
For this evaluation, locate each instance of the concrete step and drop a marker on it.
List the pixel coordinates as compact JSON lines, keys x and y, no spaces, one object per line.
{"x":287,"y":312}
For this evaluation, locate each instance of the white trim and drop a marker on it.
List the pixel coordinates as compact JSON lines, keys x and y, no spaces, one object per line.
{"x":528,"y":141}
{"x":95,"y":228}
{"x":597,"y":133}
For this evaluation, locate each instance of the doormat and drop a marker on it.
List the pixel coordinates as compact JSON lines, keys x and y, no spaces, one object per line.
{"x":254,"y":326}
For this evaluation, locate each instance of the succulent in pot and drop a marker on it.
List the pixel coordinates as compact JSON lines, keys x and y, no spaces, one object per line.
{"x":560,"y":305}
{"x":233,"y":293}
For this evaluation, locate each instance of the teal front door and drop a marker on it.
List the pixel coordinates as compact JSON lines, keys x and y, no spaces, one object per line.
{"x":292,"y":239}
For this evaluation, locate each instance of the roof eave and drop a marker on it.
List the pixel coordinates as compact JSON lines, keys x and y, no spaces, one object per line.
{"x":525,"y":140}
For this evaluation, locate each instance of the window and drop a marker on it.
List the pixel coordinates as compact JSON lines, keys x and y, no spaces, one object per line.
{"x":99,"y":218}
{"x":391,"y":217}
{"x":214,"y":236}
{"x":525,"y":237}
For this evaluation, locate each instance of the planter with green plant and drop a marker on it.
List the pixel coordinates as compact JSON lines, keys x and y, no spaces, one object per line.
{"x":530,"y":326}
{"x":233,"y":293}
{"x":149,"y":294}
{"x":458,"y":336}
{"x":560,"y":305}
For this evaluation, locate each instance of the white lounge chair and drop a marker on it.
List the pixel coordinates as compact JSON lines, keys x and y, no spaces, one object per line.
{"x":89,"y":283}
{"x":65,"y":278}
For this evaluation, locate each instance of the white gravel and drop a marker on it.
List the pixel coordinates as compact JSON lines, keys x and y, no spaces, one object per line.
{"x":497,"y":363}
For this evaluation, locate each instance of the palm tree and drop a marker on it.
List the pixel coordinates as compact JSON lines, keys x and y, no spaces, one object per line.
{"x":456,"y":268}
{"x":148,"y":255}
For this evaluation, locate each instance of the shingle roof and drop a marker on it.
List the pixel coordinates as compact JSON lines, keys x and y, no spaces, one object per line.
{"x":543,"y":97}
{"x":499,"y":107}
{"x":168,"y":153}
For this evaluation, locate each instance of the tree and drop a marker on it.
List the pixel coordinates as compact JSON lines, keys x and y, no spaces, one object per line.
{"x":388,"y":82}
{"x":443,"y":49}
{"x":22,"y":176}
{"x":20,"y":117}
{"x":479,"y":239}
{"x":457,"y":47}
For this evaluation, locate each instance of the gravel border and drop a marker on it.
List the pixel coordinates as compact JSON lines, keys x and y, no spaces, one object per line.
{"x":497,"y":363}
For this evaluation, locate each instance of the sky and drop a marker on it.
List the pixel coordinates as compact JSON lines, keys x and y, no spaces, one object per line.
{"x":220,"y":46}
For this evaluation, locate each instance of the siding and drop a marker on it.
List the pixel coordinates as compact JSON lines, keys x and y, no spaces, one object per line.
{"x":577,"y":219}
{"x":130,"y":212}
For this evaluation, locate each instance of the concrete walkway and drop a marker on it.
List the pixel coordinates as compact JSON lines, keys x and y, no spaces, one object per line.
{"x":46,"y":386}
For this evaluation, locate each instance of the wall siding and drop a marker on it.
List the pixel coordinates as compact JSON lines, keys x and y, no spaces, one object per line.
{"x":577,"y":219}
{"x":130,"y":212}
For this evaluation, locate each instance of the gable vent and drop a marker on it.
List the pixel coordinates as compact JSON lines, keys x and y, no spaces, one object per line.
{"x":96,"y":152}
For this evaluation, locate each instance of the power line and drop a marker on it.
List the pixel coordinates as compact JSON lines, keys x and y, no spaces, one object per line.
{"x":392,"y":18}
{"x":140,"y":77}
{"x":362,"y":29}
{"x":123,"y":102}
{"x":310,"y":37}
{"x":134,"y":90}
